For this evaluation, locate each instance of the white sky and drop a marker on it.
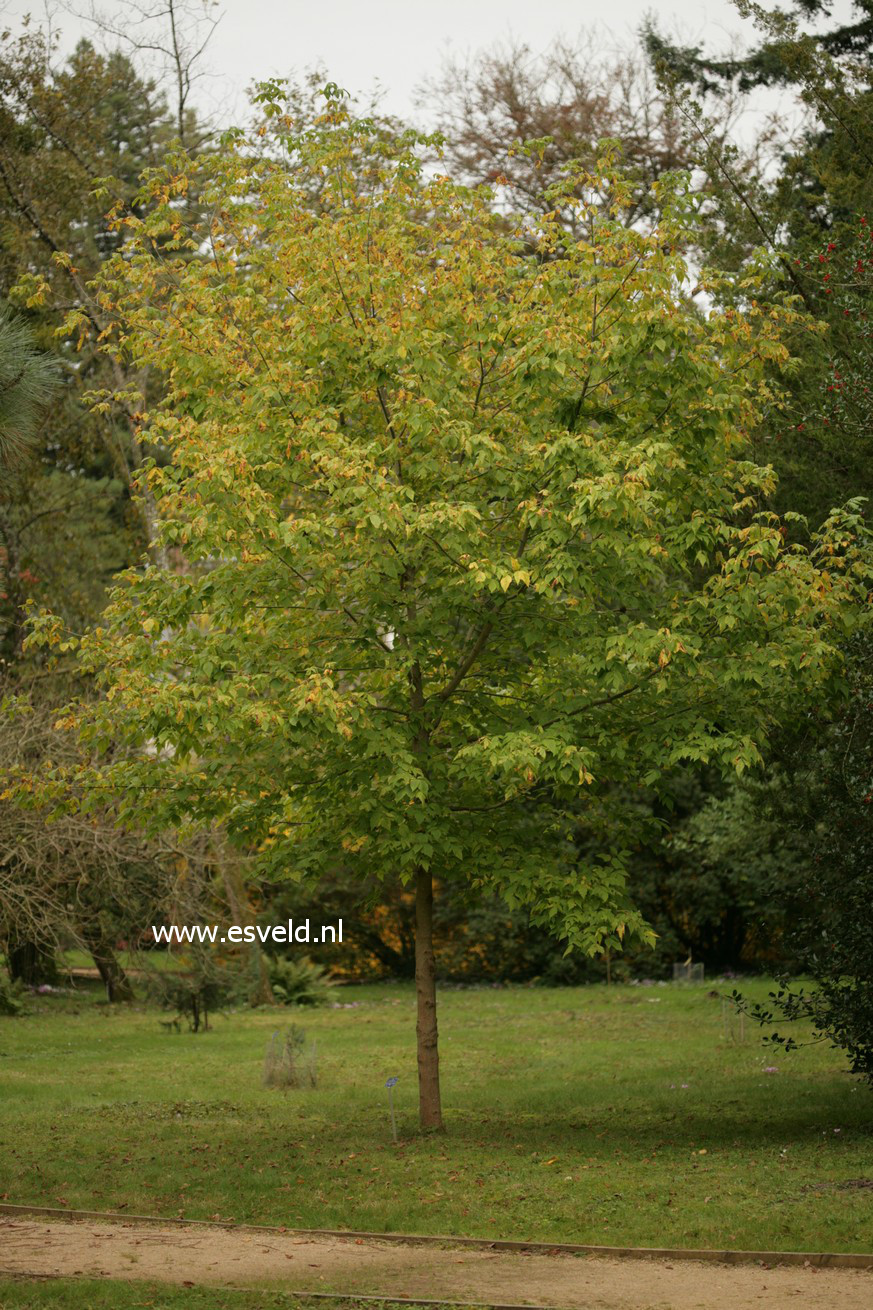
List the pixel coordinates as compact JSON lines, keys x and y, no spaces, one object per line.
{"x":398,"y":43}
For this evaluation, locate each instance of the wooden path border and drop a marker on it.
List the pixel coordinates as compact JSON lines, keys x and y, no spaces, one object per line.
{"x":817,"y":1259}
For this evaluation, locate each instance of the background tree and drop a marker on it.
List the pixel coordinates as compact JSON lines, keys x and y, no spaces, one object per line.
{"x":564,"y":101}
{"x":77,"y":877}
{"x":807,"y":208}
{"x":170,"y":38}
{"x":27,"y":379}
{"x":67,"y":519}
{"x":774,"y":61}
{"x":812,"y":210}
{"x":828,"y":804}
{"x":95,"y":118}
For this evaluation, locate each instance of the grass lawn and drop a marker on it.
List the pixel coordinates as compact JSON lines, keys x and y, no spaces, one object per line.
{"x":608,"y":1115}
{"x":110,"y":1294}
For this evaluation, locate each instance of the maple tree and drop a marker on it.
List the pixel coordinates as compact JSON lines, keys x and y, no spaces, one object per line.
{"x":463,"y":531}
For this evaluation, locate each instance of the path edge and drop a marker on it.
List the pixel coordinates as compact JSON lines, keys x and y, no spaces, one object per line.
{"x":815,"y":1259}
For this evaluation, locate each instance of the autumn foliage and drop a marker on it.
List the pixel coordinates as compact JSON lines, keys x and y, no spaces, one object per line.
{"x":464,"y":531}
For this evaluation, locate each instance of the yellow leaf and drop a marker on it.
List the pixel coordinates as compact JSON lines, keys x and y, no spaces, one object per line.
{"x":506,"y":582}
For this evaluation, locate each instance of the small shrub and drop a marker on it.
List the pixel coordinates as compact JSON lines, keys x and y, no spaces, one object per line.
{"x":10,"y":1000}
{"x":289,"y":1061}
{"x":194,"y":994}
{"x":298,"y":982}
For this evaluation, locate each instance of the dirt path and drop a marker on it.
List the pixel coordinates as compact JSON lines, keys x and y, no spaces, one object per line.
{"x":302,"y":1264}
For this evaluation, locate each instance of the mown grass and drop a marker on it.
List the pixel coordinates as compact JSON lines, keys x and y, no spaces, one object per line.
{"x":111,"y":1294}
{"x":615,"y":1115}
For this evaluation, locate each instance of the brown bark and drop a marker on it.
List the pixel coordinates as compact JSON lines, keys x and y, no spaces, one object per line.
{"x":115,"y":980}
{"x":429,"y":1104}
{"x":430,"y":1112}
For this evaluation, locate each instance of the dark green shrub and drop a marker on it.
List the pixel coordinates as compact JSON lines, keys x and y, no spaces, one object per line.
{"x":297,"y":981}
{"x":10,"y":999}
{"x":198,"y":991}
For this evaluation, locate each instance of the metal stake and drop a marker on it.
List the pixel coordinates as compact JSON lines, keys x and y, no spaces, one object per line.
{"x":391,"y":1084}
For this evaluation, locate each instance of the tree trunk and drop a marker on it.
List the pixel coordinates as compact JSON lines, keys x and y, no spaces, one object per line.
{"x":99,"y":944}
{"x":30,"y":963}
{"x":429,"y":1106}
{"x":115,"y":980}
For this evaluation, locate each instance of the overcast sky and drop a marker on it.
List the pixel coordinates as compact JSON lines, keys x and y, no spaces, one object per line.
{"x":399,"y":43}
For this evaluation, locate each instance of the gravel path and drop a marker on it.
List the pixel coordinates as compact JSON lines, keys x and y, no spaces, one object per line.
{"x":305,"y":1264}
